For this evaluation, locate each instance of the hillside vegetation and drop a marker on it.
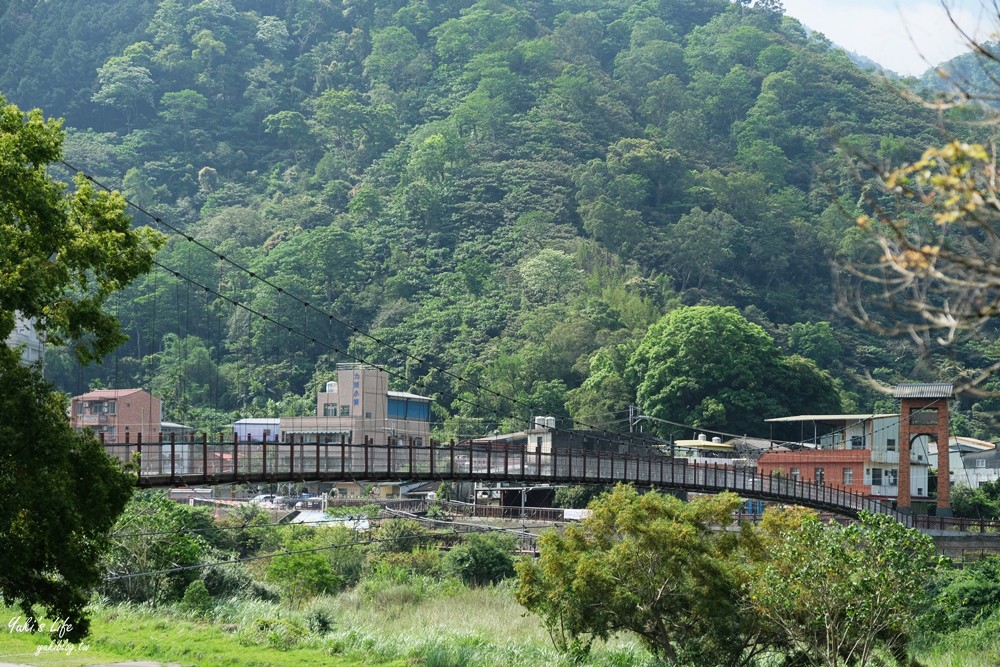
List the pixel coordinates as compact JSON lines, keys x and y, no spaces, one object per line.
{"x":512,"y":191}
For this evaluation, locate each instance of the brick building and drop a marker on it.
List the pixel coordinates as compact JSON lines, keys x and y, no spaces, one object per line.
{"x":117,"y":412}
{"x":860,"y":452}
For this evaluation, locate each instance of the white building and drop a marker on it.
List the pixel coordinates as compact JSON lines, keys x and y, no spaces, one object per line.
{"x":27,"y":339}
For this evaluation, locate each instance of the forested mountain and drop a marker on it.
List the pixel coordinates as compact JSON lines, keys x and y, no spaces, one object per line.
{"x":514,"y":190}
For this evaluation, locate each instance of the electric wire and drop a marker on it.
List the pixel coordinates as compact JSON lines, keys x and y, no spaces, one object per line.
{"x":333,"y":318}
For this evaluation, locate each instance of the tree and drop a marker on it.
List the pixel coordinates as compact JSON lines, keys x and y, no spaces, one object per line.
{"x":839,"y":592}
{"x":63,"y":255}
{"x":648,"y":564}
{"x":483,"y":559}
{"x":709,"y":367}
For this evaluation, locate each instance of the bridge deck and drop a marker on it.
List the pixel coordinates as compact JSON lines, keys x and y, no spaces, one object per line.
{"x":208,"y":463}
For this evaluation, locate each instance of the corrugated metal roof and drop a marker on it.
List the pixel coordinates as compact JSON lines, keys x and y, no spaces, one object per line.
{"x":830,"y":418}
{"x":930,"y":390}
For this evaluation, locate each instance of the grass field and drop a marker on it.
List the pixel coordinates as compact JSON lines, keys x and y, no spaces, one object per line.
{"x":401,"y":626}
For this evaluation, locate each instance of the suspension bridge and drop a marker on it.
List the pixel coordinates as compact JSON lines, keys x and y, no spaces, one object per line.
{"x":204,"y":461}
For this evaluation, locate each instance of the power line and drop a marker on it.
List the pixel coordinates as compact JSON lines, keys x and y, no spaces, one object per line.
{"x":330,"y":346}
{"x":332,"y":318}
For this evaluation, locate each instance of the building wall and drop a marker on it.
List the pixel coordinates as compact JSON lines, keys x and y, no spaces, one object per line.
{"x":25,"y":337}
{"x":133,"y":413}
{"x":357,"y":408}
{"x":833,"y":462}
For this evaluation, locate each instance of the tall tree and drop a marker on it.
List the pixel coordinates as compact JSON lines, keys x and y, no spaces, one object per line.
{"x":64,"y":253}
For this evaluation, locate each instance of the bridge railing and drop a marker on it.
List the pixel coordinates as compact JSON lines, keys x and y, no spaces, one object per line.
{"x":197,"y":459}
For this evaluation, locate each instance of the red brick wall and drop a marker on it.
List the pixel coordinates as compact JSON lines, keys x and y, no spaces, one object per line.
{"x":833,"y":462}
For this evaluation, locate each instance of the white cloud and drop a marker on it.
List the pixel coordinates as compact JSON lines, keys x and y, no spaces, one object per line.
{"x":906,"y":37}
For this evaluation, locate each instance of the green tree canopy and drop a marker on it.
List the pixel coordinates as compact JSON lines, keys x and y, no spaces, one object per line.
{"x":63,"y":254}
{"x":709,"y":367}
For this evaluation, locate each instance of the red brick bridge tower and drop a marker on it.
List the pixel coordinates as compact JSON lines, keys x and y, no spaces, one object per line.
{"x":924,"y":411}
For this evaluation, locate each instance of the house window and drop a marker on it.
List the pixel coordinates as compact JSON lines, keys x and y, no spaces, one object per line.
{"x":819,"y":475}
{"x":111,"y":407}
{"x":794,"y":474}
{"x":857,"y":442}
{"x":329,"y":409}
{"x":848,"y":475}
{"x":920,"y":491}
{"x":876,"y":477}
{"x":79,"y":407}
{"x":980,"y":463}
{"x":418,"y":442}
{"x":368,"y":415}
{"x":890,"y":477}
{"x":345,"y":411}
{"x":890,"y":445}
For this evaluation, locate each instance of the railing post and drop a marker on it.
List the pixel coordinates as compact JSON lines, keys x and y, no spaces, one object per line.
{"x":506,"y":462}
{"x":470,"y":460}
{"x":451,"y":450}
{"x":138,"y":452}
{"x":649,"y":469}
{"x":661,"y":469}
{"x":173,"y":457}
{"x":263,"y":457}
{"x":317,"y":455}
{"x":538,"y":460}
{"x":585,"y":464}
{"x":432,"y":457}
{"x":555,"y":462}
{"x":388,"y":456}
{"x":366,"y":456}
{"x":489,"y":461}
{"x":204,"y":455}
{"x":236,"y":456}
{"x":569,"y":463}
{"x":291,"y":455}
{"x":524,"y":453}
{"x":343,"y":457}
{"x":410,"y":440}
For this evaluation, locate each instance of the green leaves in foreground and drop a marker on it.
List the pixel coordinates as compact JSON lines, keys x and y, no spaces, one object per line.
{"x":698,"y":594}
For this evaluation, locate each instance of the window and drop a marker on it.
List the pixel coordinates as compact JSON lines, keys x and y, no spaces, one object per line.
{"x":920,"y":491}
{"x":876,"y":477}
{"x":111,"y":407}
{"x":368,"y":415}
{"x":345,"y":411}
{"x":890,"y":477}
{"x":329,"y":409}
{"x":538,"y":442}
{"x":890,"y":445}
{"x":857,"y":442}
{"x":980,"y":463}
{"x":418,"y":442}
{"x":925,"y":417}
{"x":794,"y":474}
{"x":79,"y":407}
{"x":819,"y":475}
{"x":848,"y":475}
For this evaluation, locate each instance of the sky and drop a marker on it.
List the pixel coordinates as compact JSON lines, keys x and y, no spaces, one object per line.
{"x":905,"y":36}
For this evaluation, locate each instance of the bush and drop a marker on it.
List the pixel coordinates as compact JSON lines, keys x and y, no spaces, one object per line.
{"x":483,"y":558}
{"x":197,"y":600}
{"x":398,"y":535}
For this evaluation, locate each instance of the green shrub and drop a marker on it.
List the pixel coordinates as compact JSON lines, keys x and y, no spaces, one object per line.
{"x":483,"y":558}
{"x":197,"y":600}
